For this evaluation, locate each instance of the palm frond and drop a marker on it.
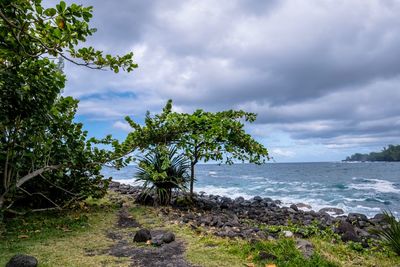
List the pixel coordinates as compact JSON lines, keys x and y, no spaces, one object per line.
{"x":391,"y":233}
{"x":153,"y":172}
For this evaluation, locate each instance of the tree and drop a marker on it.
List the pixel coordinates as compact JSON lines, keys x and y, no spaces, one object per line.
{"x":390,"y":153}
{"x":45,"y":156}
{"x":29,"y":31}
{"x":201,"y":136}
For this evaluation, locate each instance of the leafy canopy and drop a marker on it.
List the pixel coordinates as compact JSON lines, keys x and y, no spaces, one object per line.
{"x":201,"y":136}
{"x":29,"y":31}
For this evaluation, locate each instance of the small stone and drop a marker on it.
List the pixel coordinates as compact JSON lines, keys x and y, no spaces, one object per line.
{"x":306,"y":247}
{"x":168,"y":237}
{"x":22,"y":261}
{"x":263,"y":255}
{"x":288,"y":233}
{"x":142,"y":235}
{"x":294,"y":207}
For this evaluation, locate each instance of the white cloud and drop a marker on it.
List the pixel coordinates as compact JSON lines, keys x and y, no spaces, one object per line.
{"x":282,"y":152}
{"x":321,"y":72}
{"x":122,"y":126}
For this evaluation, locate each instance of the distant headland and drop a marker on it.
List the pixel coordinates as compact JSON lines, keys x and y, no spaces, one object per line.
{"x":390,"y":153}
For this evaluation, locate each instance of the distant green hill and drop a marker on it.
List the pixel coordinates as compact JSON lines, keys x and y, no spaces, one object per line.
{"x":390,"y":153}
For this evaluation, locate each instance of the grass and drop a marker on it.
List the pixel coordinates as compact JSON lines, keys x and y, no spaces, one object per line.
{"x":69,"y":238}
{"x":61,"y":239}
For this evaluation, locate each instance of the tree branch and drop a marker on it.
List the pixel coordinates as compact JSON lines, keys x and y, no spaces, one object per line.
{"x":33,"y":174}
{"x":40,"y":194}
{"x":59,"y":187}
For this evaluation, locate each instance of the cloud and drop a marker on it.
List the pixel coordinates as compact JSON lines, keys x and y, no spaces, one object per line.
{"x":122,"y":126}
{"x":282,"y":152}
{"x":324,"y":72}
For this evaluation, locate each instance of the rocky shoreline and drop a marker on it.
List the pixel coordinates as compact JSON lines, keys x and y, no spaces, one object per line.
{"x":242,"y":218}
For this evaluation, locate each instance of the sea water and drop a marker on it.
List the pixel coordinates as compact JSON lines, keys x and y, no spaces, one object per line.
{"x":362,"y":187}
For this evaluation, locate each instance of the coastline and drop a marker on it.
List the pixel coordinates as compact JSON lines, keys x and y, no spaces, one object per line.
{"x":227,"y":217}
{"x":354,"y":188}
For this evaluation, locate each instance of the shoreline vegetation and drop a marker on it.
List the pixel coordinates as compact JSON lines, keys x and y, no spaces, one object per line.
{"x":388,"y":154}
{"x":57,"y":209}
{"x":208,"y":230}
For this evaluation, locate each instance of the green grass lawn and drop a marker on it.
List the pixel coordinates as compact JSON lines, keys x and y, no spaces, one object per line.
{"x":69,"y":238}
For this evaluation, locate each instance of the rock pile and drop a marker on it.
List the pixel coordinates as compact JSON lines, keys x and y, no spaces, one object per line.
{"x":230,"y":217}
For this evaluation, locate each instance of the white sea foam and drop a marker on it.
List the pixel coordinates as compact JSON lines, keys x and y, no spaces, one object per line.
{"x":212,"y":173}
{"x":377,"y":185}
{"x":231,"y":192}
{"x":131,"y":181}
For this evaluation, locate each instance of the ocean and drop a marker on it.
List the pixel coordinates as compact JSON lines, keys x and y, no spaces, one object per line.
{"x":363,"y":187}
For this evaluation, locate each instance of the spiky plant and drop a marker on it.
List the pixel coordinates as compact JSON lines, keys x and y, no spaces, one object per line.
{"x":391,"y":233}
{"x":162,"y":170}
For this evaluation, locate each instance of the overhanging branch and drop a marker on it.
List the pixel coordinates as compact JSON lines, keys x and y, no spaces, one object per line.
{"x":33,"y":174}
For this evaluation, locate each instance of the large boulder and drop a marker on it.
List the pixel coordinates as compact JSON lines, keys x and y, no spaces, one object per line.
{"x":347,"y":232}
{"x":350,"y":236}
{"x":294,"y":207}
{"x":355,"y":217}
{"x":344,"y":227}
{"x":22,"y":261}
{"x":143,"y":235}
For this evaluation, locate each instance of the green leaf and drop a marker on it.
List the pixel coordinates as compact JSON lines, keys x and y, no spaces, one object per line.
{"x":50,"y":12}
{"x":62,"y":5}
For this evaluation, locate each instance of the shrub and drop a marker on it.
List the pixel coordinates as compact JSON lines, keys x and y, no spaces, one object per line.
{"x":161,"y":170}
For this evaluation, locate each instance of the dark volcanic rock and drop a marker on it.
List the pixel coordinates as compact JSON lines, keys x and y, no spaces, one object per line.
{"x":306,"y":247}
{"x":142,"y":235}
{"x":263,"y":255}
{"x":347,"y":231}
{"x":228,"y":217}
{"x":354,"y":217}
{"x":350,"y":236}
{"x":22,"y":261}
{"x":345,"y":227}
{"x":168,"y":237}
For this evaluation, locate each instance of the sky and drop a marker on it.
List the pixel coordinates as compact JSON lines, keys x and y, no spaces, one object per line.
{"x":323,"y":76}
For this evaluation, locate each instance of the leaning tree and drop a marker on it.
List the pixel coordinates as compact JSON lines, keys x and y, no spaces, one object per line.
{"x":45,"y":157}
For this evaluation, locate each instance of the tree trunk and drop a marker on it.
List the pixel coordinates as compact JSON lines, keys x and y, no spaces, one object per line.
{"x":2,"y":199}
{"x":191,"y":177}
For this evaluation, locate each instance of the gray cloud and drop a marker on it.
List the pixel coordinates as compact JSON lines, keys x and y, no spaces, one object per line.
{"x":321,"y":70}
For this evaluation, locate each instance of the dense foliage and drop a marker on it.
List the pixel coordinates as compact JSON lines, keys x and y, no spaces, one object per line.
{"x":45,"y":158}
{"x":162,"y":170}
{"x":201,"y":136}
{"x":390,"y":153}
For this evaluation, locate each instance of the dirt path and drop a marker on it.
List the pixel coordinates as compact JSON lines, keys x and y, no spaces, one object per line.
{"x":166,"y":255}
